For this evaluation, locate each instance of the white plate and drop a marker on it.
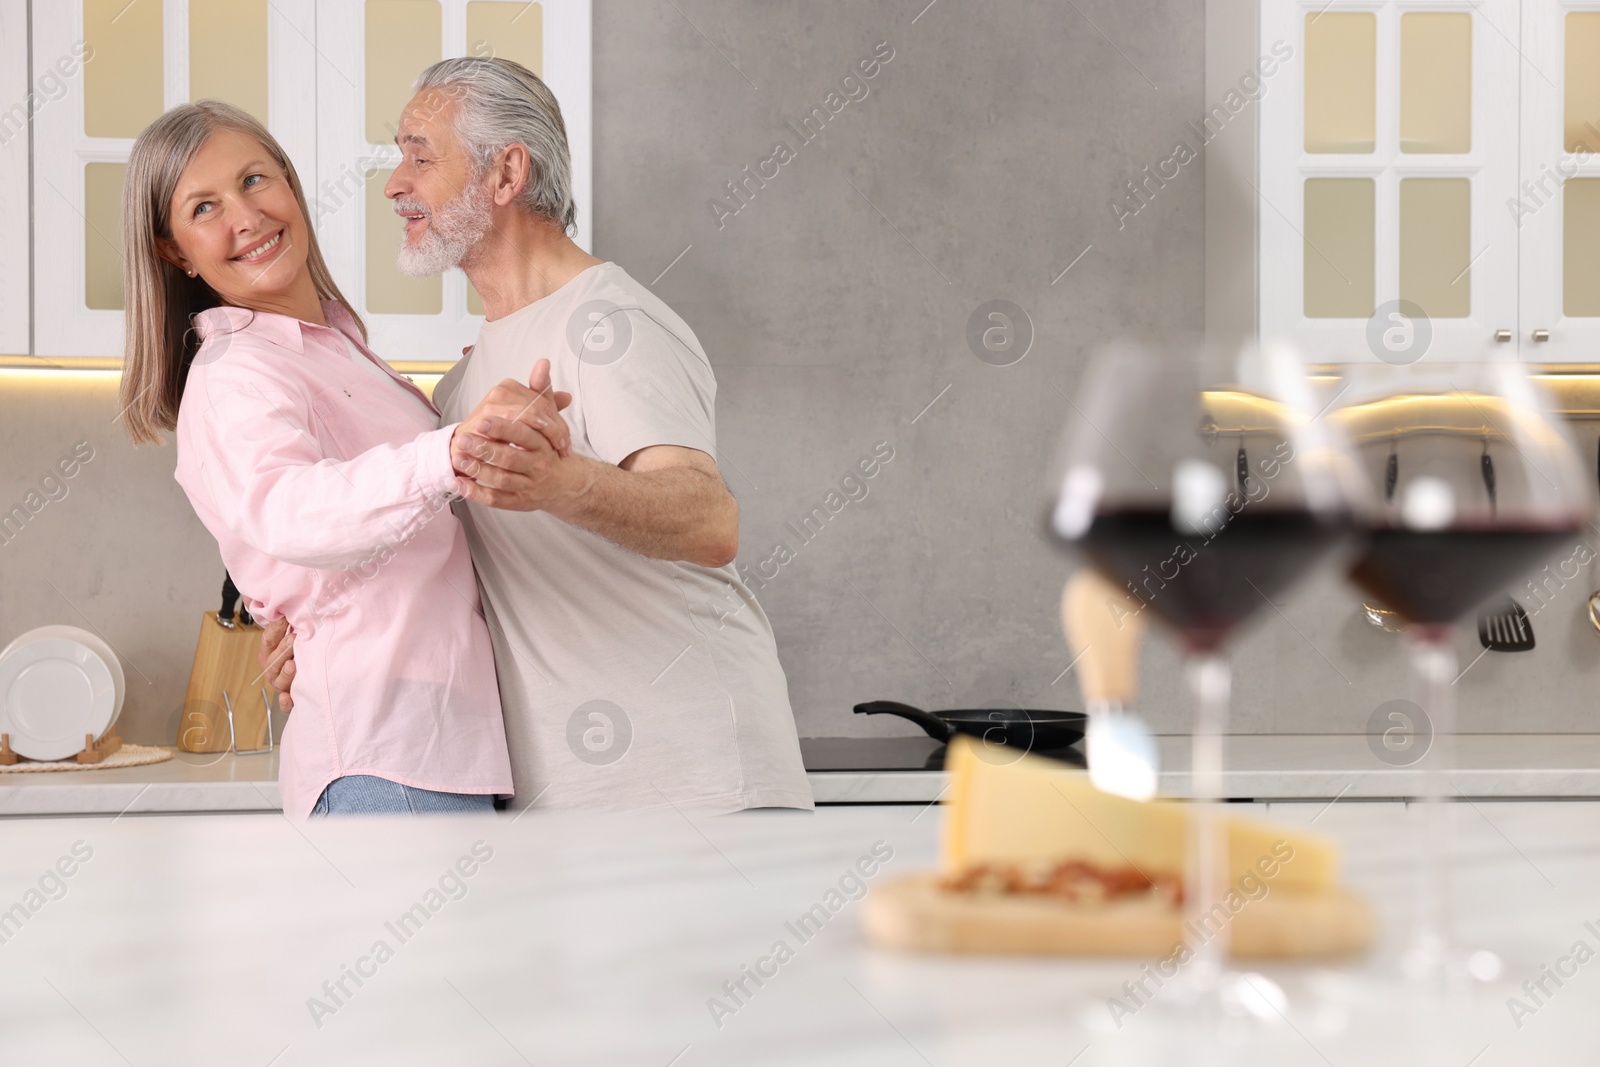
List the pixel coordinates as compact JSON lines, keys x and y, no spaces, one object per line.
{"x":73,"y":633}
{"x":53,"y":691}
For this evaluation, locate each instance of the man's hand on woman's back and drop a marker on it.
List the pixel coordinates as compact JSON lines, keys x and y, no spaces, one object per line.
{"x":276,"y":656}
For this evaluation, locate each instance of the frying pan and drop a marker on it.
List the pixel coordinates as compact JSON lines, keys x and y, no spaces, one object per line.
{"x":1002,"y":726}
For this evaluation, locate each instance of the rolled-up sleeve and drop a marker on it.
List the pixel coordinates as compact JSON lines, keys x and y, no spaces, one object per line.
{"x":254,"y":458}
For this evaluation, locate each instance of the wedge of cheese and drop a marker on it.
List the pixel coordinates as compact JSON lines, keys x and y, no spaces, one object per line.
{"x":1005,"y":809}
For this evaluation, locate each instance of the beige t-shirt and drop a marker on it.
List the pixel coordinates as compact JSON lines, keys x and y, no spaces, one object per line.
{"x":627,"y":682}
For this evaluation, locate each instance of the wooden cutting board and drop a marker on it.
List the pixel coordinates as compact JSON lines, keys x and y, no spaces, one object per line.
{"x":913,"y":913}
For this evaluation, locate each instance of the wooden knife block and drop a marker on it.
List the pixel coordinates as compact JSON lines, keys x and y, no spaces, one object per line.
{"x":225,"y":660}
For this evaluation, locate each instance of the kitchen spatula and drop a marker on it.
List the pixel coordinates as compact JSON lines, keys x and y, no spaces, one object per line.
{"x":1104,"y":628}
{"x":1503,"y":626}
{"x":1382,"y":618}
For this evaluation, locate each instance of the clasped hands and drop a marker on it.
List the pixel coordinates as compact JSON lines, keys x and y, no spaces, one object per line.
{"x":513,"y":451}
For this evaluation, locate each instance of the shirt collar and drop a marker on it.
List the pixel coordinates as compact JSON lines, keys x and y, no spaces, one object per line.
{"x":282,"y":330}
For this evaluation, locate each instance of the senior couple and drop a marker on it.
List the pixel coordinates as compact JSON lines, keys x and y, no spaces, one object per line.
{"x":516,"y":589}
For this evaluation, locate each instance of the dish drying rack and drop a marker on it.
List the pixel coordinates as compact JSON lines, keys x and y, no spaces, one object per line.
{"x":94,"y":749}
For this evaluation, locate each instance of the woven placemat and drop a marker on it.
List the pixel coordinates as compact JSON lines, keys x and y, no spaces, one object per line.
{"x":126,"y":756}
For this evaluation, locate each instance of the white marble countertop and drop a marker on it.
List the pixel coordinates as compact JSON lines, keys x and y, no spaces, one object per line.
{"x":1312,"y":767}
{"x":1261,"y":767}
{"x":189,"y":782}
{"x":573,"y":941}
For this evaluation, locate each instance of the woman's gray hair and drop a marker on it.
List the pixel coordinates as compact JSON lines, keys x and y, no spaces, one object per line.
{"x":504,"y":103}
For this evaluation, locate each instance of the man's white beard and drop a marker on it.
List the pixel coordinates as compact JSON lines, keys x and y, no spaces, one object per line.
{"x":453,"y":231}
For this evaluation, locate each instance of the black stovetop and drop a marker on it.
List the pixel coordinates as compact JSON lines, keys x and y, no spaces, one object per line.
{"x":894,"y":754}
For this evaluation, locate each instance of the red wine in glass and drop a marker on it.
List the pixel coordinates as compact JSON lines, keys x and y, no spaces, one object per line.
{"x":1435,"y":577}
{"x":1205,"y":584}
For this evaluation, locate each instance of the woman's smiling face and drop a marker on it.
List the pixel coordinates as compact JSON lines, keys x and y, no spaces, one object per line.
{"x":236,"y":223}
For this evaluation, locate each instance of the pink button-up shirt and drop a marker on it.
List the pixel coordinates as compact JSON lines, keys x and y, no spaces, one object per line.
{"x":328,"y":491}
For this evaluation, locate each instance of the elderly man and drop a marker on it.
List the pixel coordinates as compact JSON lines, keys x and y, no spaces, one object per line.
{"x":636,"y":670}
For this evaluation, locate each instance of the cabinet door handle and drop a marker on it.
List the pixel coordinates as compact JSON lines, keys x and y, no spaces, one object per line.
{"x":1503,"y":336}
{"x":1541,"y":335}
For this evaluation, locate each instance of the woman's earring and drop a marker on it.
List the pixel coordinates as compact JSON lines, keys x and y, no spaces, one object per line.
{"x":191,"y":274}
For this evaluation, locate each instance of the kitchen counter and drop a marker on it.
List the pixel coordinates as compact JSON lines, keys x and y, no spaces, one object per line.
{"x":1310,"y":767}
{"x":1261,"y":767}
{"x":599,"y":942}
{"x":189,"y":782}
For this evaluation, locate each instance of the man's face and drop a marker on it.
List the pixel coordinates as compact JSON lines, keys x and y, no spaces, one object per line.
{"x":446,"y":206}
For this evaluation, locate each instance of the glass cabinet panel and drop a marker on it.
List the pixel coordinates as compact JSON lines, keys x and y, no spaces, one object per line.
{"x":228,"y":53}
{"x":1580,"y":247}
{"x":1582,"y":112}
{"x":102,"y":245}
{"x":403,"y":37}
{"x":1436,"y":82}
{"x":1340,"y":274}
{"x":1341,"y":82}
{"x":123,"y":85}
{"x":1435,"y":238}
{"x":511,"y":31}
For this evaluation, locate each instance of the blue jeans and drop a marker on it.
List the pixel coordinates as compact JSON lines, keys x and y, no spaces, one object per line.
{"x":365,"y":794}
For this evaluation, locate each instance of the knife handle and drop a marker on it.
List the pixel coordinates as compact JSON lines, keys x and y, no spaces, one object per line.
{"x":232,"y":598}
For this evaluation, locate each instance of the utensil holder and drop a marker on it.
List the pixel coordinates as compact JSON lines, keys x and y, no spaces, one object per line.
{"x":219,"y":712}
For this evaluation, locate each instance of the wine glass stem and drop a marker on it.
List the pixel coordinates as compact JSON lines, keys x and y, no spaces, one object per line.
{"x":1205,"y":882}
{"x":1434,"y":661}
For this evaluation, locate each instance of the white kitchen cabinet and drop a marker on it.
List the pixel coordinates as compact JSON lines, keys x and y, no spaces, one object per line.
{"x":1387,"y":150}
{"x":17,"y":98}
{"x":1557,"y":200}
{"x":1417,"y":170}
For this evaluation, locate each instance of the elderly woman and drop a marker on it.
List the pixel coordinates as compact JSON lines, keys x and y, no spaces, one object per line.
{"x":323,"y":475}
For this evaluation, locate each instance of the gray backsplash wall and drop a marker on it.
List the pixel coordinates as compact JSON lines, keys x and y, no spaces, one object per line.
{"x":835,"y":305}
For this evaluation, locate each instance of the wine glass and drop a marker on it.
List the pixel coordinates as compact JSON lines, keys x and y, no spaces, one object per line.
{"x":1207,"y":488}
{"x":1481,"y":483}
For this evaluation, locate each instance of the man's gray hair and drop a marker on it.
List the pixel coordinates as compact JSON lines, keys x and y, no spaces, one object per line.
{"x":504,"y":103}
